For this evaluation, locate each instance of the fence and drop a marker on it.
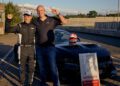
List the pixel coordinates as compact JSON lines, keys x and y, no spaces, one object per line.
{"x":104,"y":21}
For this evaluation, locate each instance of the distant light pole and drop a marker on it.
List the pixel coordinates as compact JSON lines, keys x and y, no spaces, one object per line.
{"x":118,"y":14}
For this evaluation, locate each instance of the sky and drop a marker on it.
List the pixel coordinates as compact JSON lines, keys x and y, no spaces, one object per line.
{"x":82,"y":6}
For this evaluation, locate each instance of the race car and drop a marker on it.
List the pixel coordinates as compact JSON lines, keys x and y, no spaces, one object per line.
{"x":69,"y":47}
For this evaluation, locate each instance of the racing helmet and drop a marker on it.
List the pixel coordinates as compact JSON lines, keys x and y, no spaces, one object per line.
{"x":73,"y":38}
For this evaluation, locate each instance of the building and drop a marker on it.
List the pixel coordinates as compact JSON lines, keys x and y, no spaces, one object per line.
{"x":2,"y":18}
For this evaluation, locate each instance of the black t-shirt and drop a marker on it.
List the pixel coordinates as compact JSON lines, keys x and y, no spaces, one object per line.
{"x":44,"y":30}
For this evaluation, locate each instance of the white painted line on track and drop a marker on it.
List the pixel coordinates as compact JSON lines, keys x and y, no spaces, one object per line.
{"x":6,"y":55}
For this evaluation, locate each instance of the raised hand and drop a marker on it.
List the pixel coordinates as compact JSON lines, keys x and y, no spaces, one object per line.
{"x":55,"y":11}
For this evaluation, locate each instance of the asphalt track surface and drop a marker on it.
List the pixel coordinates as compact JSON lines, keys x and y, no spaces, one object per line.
{"x":9,"y":69}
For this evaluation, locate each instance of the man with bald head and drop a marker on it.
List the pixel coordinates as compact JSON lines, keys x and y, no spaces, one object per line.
{"x":45,"y":49}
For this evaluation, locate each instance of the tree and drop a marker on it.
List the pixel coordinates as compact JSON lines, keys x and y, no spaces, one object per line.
{"x":92,"y":14}
{"x":76,"y":15}
{"x":12,"y":9}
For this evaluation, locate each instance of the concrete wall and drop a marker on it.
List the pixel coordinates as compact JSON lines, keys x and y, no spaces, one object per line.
{"x":107,"y":25}
{"x":90,"y":21}
{"x":104,"y":32}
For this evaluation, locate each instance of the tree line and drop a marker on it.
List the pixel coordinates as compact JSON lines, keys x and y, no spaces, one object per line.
{"x":92,"y":14}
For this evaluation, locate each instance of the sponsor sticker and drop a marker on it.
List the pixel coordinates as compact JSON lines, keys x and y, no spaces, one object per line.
{"x":89,"y":69}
